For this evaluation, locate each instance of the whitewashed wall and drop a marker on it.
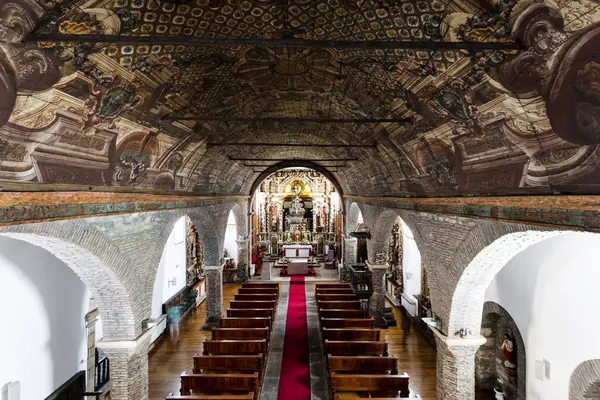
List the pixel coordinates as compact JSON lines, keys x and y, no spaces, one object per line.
{"x":411,"y":262}
{"x":43,"y":302}
{"x":231,"y":237}
{"x":171,"y":273}
{"x":551,"y":291}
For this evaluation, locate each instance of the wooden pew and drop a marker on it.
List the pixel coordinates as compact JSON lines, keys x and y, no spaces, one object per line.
{"x":346,"y":305}
{"x":211,"y":383}
{"x":398,"y":384}
{"x":258,"y":291}
{"x":264,"y":285}
{"x":336,"y":297}
{"x":256,"y":322}
{"x":252,"y":304}
{"x":352,"y":334}
{"x":248,"y":396}
{"x":337,"y":313}
{"x":332,"y":285}
{"x":240,"y":333}
{"x":356,"y":348}
{"x":345,"y":290}
{"x":250,"y":312}
{"x":256,"y":297}
{"x":365,"y":323}
{"x":227,"y":347}
{"x":369,"y":364}
{"x":247,"y":362}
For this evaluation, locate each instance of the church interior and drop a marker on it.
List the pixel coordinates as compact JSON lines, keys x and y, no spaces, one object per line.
{"x":299,"y":199}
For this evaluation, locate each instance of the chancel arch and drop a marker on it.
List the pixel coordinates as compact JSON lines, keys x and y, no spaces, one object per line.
{"x":297,"y":206}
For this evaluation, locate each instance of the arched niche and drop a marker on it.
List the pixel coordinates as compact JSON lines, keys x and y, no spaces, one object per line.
{"x":491,"y":367}
{"x":585,"y":381}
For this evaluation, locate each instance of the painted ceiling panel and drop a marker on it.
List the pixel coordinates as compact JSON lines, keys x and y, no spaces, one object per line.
{"x":175,"y":117}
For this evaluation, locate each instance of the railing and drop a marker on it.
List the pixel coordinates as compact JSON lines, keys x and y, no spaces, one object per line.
{"x":361,"y":280}
{"x":284,"y":237}
{"x":102,"y":373}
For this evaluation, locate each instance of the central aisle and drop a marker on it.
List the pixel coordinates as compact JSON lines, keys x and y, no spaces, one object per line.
{"x":294,"y":383}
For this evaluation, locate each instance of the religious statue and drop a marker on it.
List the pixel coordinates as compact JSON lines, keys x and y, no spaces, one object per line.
{"x":297,"y":237}
{"x":508,"y":349}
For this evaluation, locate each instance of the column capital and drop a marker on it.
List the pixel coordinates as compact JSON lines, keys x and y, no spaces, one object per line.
{"x":241,"y":241}
{"x":131,"y":345}
{"x":91,"y":317}
{"x":213,"y":268}
{"x":377,"y":267}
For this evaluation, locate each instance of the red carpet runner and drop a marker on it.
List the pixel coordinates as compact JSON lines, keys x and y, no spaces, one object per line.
{"x":294,"y":381}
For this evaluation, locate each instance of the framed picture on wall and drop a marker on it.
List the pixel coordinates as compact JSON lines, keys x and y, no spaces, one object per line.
{"x":178,"y":236}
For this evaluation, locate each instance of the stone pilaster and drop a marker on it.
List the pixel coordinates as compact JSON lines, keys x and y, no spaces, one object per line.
{"x":90,"y":326}
{"x":214,"y":295}
{"x":456,"y":366}
{"x":243,"y":261}
{"x":377,"y":300}
{"x":128,"y":367}
{"x":350,"y":244}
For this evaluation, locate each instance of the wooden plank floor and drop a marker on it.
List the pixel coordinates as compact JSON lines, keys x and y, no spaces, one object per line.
{"x":168,"y":360}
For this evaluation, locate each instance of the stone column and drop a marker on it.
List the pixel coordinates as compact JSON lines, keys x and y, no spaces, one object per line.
{"x":128,"y":367}
{"x":90,"y":326}
{"x":456,"y":366}
{"x":243,"y":260}
{"x":377,"y":300}
{"x":214,"y":296}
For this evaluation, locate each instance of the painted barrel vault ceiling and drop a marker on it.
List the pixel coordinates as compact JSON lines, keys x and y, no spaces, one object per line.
{"x":170,"y":117}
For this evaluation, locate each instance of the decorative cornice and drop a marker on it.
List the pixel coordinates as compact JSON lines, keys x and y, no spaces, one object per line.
{"x":565,"y":212}
{"x":28,"y":207}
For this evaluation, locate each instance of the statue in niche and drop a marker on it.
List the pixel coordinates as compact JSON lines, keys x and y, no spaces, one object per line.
{"x":394,"y":272}
{"x":509,"y":352}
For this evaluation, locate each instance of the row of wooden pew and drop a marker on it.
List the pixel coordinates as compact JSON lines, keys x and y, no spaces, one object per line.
{"x":357,"y":358}
{"x":232,"y":362}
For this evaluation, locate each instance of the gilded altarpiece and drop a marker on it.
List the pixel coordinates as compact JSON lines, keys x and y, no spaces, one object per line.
{"x":394,"y":273}
{"x":195,"y":255}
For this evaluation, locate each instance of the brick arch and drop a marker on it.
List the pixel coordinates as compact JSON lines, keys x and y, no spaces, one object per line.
{"x":584,"y":383}
{"x":468,"y":298}
{"x":492,"y":312}
{"x":97,"y":263}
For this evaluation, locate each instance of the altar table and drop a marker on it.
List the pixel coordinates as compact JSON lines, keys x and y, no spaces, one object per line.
{"x":297,"y":250}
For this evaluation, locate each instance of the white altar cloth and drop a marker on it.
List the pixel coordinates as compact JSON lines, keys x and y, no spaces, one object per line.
{"x":297,"y":250}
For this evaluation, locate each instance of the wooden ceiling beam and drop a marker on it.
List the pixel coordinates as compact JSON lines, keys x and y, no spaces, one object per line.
{"x":269,"y":144}
{"x":277,"y":42}
{"x":289,"y":119}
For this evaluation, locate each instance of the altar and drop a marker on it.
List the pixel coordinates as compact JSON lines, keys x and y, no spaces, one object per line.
{"x":297,"y":250}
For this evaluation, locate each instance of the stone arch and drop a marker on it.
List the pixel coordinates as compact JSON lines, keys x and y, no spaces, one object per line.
{"x":97,"y":263}
{"x":353,"y":213}
{"x":584,"y":383}
{"x":211,"y":222}
{"x":241,"y":219}
{"x":493,"y":316}
{"x":468,"y":298}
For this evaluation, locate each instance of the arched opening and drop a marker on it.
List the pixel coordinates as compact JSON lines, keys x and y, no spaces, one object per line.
{"x":404,"y":279}
{"x":44,"y":338}
{"x":297,"y":214}
{"x":179,"y":278}
{"x":547,"y":282}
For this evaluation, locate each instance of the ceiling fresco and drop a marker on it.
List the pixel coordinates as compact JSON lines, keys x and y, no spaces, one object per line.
{"x":174,"y":117}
